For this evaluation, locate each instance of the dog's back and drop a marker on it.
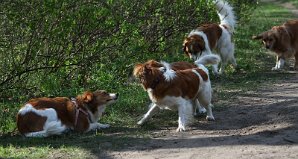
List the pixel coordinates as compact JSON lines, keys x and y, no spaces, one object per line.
{"x":38,"y":117}
{"x":292,"y":28}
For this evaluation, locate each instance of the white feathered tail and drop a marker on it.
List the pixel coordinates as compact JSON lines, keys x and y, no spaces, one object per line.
{"x":210,"y":59}
{"x":226,"y":14}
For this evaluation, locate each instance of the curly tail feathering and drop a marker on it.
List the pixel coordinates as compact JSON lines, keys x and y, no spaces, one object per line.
{"x":226,"y":14}
{"x":208,"y":60}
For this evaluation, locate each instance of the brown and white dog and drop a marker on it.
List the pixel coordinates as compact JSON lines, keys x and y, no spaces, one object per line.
{"x":283,"y":40}
{"x":181,"y":65}
{"x":180,"y":89}
{"x":214,"y":37}
{"x":42,"y":117}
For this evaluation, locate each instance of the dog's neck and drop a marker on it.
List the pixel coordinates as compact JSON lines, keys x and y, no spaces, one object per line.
{"x":79,"y":110}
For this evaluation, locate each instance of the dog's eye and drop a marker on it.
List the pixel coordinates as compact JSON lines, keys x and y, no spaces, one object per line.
{"x":105,"y":93}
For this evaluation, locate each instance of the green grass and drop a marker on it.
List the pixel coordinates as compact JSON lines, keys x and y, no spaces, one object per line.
{"x":254,"y":70}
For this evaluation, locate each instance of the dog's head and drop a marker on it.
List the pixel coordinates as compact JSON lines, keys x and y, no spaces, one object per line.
{"x":148,"y":72}
{"x":274,"y":39}
{"x":99,"y":98}
{"x":193,"y":46}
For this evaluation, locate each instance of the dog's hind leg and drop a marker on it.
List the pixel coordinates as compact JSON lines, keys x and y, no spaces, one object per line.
{"x":232,"y":56}
{"x":210,"y":116}
{"x":185,"y":113}
{"x":205,"y":99}
{"x":152,"y":110}
{"x":50,"y":128}
{"x":197,"y":108}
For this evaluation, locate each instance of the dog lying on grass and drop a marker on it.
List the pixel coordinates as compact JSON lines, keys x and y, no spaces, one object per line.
{"x":43,"y":117}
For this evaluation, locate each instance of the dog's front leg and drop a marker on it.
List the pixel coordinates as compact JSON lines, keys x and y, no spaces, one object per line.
{"x":152,"y":110}
{"x":94,"y":126}
{"x":280,"y":62}
{"x":103,"y":125}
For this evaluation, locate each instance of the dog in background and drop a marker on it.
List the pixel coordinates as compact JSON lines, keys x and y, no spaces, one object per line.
{"x":180,"y":89}
{"x":283,"y":40}
{"x":43,"y":117}
{"x":208,"y":37}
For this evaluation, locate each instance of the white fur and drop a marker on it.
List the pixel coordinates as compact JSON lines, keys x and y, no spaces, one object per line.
{"x":169,"y":74}
{"x":225,"y":46}
{"x":226,"y":14}
{"x":97,"y":115}
{"x":52,"y":125}
{"x":205,"y":95}
{"x":208,"y":60}
{"x":279,"y":64}
{"x":150,"y":93}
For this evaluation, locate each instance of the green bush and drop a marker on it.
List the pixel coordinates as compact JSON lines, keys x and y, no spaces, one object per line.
{"x":49,"y":46}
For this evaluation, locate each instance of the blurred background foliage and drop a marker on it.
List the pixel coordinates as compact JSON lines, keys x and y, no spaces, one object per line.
{"x":50,"y":48}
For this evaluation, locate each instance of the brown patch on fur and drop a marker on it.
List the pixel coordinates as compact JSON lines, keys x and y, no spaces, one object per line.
{"x":27,"y":125}
{"x":182,"y":65}
{"x":283,"y":40}
{"x":203,"y":74}
{"x":185,"y":84}
{"x":213,"y":33}
{"x":195,"y":44}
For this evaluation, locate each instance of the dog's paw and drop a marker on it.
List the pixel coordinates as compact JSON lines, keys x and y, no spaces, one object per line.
{"x":210,"y":118}
{"x":141,"y":122}
{"x":202,"y":110}
{"x":276,"y":69}
{"x":103,"y":126}
{"x":180,"y":129}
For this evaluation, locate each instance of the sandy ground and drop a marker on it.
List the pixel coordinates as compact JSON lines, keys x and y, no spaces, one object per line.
{"x":257,"y":124}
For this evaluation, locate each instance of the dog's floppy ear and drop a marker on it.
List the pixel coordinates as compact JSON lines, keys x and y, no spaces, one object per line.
{"x":153,"y":63}
{"x":184,"y":45}
{"x":87,"y":97}
{"x":137,"y":69}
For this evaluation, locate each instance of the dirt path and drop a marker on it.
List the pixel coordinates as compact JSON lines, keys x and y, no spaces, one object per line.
{"x":257,"y":124}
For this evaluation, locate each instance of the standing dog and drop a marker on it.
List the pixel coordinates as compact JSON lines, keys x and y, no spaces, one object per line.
{"x":42,"y":117}
{"x":208,"y":37}
{"x":176,"y":89}
{"x":283,"y":40}
{"x":181,"y":65}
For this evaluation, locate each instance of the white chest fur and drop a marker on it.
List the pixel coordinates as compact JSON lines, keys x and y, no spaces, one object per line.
{"x":96,"y":116}
{"x":151,"y":96}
